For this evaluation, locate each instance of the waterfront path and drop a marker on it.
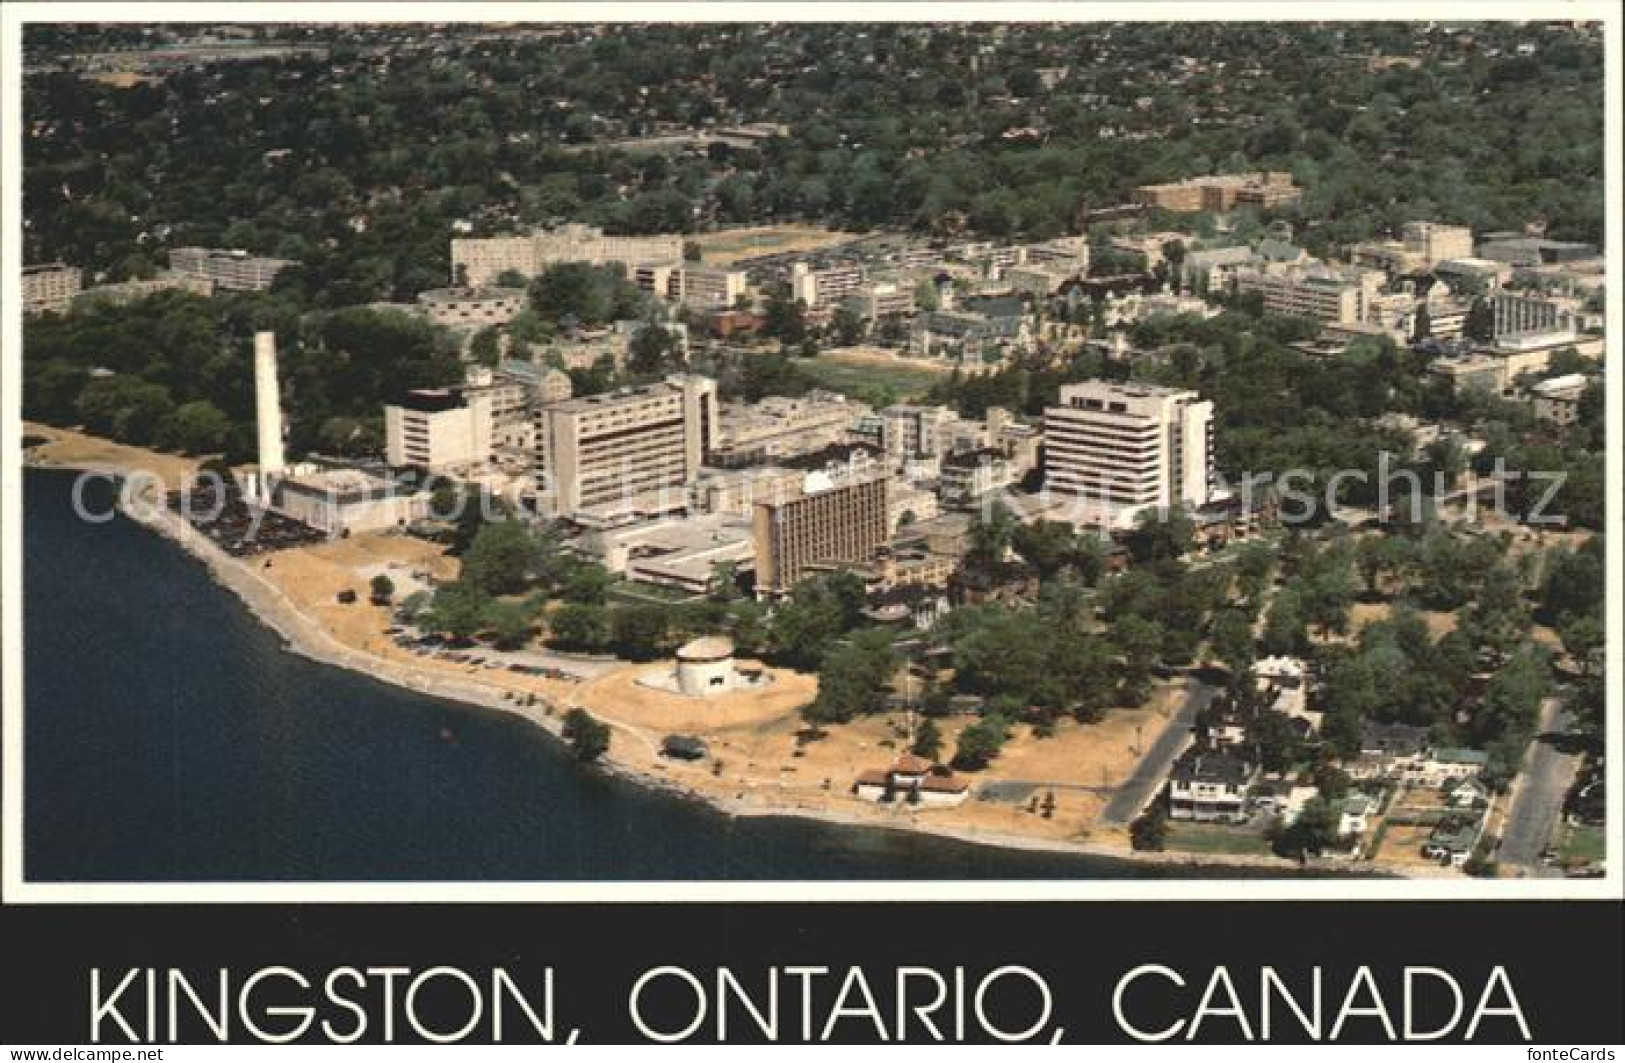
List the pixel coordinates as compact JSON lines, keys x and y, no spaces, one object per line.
{"x":1139,"y":788}
{"x":1536,"y":804}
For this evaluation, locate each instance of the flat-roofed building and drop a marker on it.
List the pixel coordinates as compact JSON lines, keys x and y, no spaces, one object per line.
{"x":878,"y":299}
{"x":829,"y":521}
{"x":681,"y":552}
{"x":969,"y":476}
{"x":909,"y":431}
{"x":1320,"y":293}
{"x":472,"y":308}
{"x":231,"y":270}
{"x":707,"y":287}
{"x":778,"y":427}
{"x":1557,"y":401}
{"x":342,"y":501}
{"x":1523,"y":315}
{"x":620,"y":450}
{"x":1221,"y":193}
{"x":50,"y":286}
{"x":826,"y":286}
{"x":1127,"y":447}
{"x":439,"y":429}
{"x":132,"y":290}
{"x":735,"y":492}
{"x":480,"y":261}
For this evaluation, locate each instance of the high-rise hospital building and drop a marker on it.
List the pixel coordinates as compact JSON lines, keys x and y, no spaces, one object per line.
{"x":1125,"y":447}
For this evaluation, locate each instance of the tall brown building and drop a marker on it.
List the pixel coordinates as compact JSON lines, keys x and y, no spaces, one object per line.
{"x":824,"y":523}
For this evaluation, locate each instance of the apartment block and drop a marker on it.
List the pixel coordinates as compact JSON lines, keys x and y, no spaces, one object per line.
{"x":50,"y":286}
{"x":627,"y":452}
{"x":829,"y":522}
{"x":231,"y":270}
{"x":1126,"y":447}
{"x":478,"y":262}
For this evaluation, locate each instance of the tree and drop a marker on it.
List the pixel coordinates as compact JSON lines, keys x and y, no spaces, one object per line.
{"x":383,"y":588}
{"x":991,"y":533}
{"x":195,"y":428}
{"x":588,"y":736}
{"x":458,"y":609}
{"x":1285,"y":629}
{"x":855,"y":678}
{"x":1254,"y":565}
{"x":1149,"y":832}
{"x":1479,"y":325}
{"x":1232,"y":641}
{"x":1161,"y":535}
{"x":980,"y":743}
{"x":510,"y":624}
{"x":927,"y":740}
{"x":1312,"y":833}
{"x":502,"y":557}
{"x":574,"y":626}
{"x":1583,"y":637}
{"x":638,"y":632}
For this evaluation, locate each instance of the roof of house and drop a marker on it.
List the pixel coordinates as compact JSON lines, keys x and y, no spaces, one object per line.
{"x":1458,"y":755}
{"x":909,"y":764}
{"x":1393,"y":738}
{"x":1212,"y":768}
{"x":945,"y":784}
{"x":874,"y":778}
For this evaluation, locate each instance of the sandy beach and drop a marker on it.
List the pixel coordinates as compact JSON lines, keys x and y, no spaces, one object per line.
{"x":757,"y":768}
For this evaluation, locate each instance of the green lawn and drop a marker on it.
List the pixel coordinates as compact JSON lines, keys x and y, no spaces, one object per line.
{"x":1583,"y":845}
{"x":1213,"y":838}
{"x":870,"y":381}
{"x":628,"y":593}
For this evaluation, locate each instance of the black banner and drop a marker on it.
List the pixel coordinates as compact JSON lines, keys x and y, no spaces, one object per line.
{"x":794,"y":973}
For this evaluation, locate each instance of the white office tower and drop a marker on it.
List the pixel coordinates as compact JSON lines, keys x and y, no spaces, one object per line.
{"x":267,"y":405}
{"x":1122,"y":448}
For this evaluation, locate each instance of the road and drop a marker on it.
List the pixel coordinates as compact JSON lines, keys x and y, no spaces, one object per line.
{"x":1537,"y":798}
{"x":1138,"y":789}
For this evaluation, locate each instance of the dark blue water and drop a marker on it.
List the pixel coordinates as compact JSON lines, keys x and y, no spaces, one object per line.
{"x":169,"y":737}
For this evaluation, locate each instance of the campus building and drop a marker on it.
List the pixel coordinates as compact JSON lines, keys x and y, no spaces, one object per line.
{"x":830,"y":520}
{"x":1327,"y":294}
{"x":230,"y":270}
{"x":818,"y":288}
{"x":1126,"y":447}
{"x":1221,"y":193}
{"x":627,"y":453}
{"x":438,"y":429}
{"x":49,"y":287}
{"x":471,"y":308}
{"x":478,"y":262}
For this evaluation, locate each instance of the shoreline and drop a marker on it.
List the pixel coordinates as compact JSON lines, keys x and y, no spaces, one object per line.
{"x":308,"y":638}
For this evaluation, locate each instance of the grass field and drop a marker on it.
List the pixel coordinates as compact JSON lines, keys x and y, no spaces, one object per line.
{"x":871,"y":380}
{"x":1214,"y":838}
{"x":723,"y":248}
{"x":1583,"y":845}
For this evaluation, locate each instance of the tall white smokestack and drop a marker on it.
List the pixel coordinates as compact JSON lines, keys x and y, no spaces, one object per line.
{"x":267,"y":404}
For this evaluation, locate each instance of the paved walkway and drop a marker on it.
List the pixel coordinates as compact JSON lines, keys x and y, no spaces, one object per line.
{"x":1138,"y":789}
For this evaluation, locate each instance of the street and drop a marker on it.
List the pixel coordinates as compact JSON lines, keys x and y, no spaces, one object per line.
{"x":1138,"y":789}
{"x":1537,"y":796}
